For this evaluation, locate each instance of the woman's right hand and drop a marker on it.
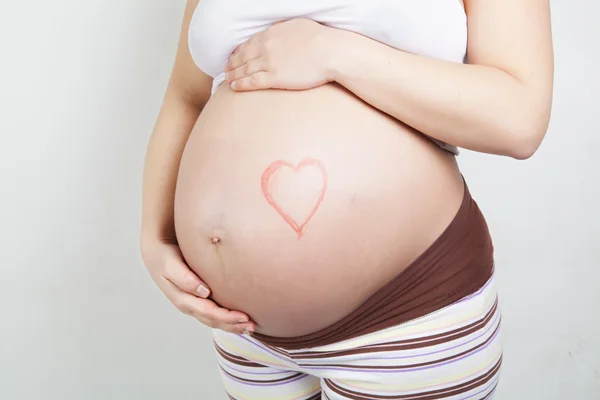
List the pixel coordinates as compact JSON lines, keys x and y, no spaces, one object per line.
{"x":187,"y":291}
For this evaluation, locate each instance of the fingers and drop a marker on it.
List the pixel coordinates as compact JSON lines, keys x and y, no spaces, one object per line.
{"x":179,"y":274}
{"x":243,"y":54}
{"x":208,"y":312}
{"x":256,"y":81}
{"x":214,"y":316}
{"x":250,"y":68}
{"x":247,"y":67}
{"x":184,"y":279}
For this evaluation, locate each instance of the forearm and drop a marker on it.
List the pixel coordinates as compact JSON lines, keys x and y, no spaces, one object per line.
{"x":471,"y":106}
{"x":173,"y":126}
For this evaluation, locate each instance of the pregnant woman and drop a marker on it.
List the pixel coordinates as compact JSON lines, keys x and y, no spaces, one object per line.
{"x":302,"y":196}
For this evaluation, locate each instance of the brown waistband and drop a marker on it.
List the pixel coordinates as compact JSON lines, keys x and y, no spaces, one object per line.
{"x":457,"y":264}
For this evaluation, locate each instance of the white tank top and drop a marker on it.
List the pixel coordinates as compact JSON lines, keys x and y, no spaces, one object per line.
{"x":432,"y":28}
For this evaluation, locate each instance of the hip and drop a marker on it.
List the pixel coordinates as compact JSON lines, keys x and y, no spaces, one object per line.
{"x":454,"y":352}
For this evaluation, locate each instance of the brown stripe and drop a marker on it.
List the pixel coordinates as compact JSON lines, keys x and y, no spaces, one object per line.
{"x":490,"y":394}
{"x":399,"y":367}
{"x":409,"y":344}
{"x":275,"y":349}
{"x":268,"y":381}
{"x":473,"y":384}
{"x":232,"y":358}
{"x":430,"y":395}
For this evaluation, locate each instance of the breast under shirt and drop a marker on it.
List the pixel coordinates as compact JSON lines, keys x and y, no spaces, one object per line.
{"x":431,"y":28}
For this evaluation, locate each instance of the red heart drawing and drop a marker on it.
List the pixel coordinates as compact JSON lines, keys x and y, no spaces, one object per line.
{"x":298,"y":226}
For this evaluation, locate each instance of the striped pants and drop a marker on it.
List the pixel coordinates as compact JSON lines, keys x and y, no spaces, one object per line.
{"x":452,"y":353}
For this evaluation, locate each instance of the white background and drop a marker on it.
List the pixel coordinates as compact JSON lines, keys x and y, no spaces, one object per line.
{"x":81,"y":83}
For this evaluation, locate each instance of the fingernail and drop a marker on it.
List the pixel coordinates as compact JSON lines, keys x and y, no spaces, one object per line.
{"x":243,"y":319}
{"x":202,"y":291}
{"x":248,"y":331}
{"x":233,"y":85}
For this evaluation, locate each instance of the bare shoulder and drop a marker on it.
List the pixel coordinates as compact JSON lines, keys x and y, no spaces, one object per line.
{"x":186,"y":77}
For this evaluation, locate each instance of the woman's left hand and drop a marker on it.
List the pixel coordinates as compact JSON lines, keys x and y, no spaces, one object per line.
{"x":288,"y":55}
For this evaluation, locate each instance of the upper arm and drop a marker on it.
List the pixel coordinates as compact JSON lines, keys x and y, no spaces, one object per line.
{"x":514,"y":36}
{"x":186,"y":77}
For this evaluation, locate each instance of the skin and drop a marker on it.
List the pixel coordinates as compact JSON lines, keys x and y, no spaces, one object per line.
{"x":498,"y":103}
{"x":187,"y":93}
{"x":298,"y":226}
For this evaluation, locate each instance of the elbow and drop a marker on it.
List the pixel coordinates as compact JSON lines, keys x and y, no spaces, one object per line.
{"x":524,"y":146}
{"x":529,"y":127}
{"x":526,"y":137}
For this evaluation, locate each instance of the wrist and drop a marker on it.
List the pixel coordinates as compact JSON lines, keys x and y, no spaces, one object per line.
{"x":152,"y":238}
{"x":334,"y":45}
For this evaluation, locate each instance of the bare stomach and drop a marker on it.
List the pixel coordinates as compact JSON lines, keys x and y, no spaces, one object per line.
{"x":295,"y":207}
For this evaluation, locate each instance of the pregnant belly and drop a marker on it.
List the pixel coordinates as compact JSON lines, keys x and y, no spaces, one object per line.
{"x":295,"y":207}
